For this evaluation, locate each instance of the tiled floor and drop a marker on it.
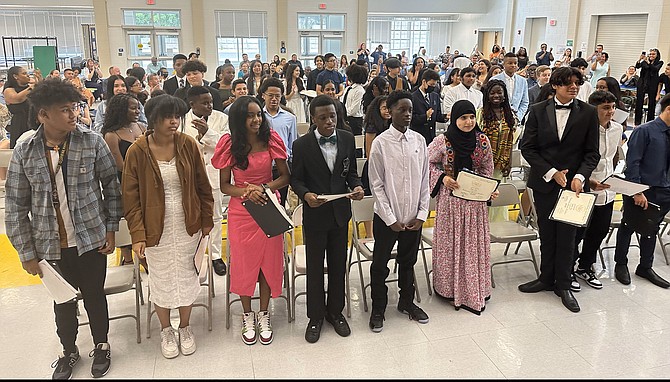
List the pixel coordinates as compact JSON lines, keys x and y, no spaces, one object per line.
{"x":621,"y":332}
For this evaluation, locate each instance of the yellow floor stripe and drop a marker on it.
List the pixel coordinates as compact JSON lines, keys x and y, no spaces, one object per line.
{"x":11,"y":272}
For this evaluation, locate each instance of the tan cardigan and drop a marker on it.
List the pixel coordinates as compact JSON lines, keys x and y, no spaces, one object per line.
{"x":144,"y":195}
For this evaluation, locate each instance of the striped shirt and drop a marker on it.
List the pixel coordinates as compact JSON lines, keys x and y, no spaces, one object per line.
{"x":30,"y":216}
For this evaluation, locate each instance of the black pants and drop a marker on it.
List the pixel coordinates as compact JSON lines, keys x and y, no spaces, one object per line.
{"x":86,"y":273}
{"x":356,"y":124}
{"x":557,"y":243}
{"x":593,"y":235}
{"x":651,"y":103}
{"x":333,"y":245}
{"x":408,"y":246}
{"x":283,"y":192}
{"x":656,"y":195}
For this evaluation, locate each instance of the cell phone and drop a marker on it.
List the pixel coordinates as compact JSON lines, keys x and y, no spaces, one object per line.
{"x":644,"y":53}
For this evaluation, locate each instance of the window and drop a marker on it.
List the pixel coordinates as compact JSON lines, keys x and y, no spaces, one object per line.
{"x":152,"y":33}
{"x":239,"y":32}
{"x":157,"y":19}
{"x":66,"y":26}
{"x":398,"y":33}
{"x":332,"y":22}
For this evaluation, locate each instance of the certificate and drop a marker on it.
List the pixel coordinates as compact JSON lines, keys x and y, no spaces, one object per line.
{"x":622,"y":186}
{"x":573,"y":210}
{"x":332,"y":197}
{"x":57,"y":287}
{"x":474,"y":187}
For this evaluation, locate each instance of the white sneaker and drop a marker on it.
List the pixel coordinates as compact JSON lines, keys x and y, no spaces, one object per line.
{"x":574,"y":284}
{"x":169,"y":343}
{"x":249,"y":328}
{"x":590,"y":277}
{"x":264,"y":327}
{"x":186,"y":341}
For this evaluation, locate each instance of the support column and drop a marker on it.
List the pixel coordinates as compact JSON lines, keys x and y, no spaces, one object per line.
{"x":663,"y":44}
{"x":362,"y":23}
{"x":282,"y":30}
{"x":197,"y":17}
{"x":102,"y":34}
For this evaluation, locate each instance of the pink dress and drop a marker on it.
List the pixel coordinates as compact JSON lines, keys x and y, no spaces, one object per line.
{"x":250,"y":250}
{"x":461,"y":242}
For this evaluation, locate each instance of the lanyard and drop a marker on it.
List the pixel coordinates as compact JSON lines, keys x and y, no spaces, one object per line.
{"x":52,"y":173}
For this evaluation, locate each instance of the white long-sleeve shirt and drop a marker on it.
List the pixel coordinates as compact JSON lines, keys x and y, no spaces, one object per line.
{"x":610,"y":139}
{"x":218,"y":126}
{"x":354,"y":104}
{"x":398,"y":174}
{"x":458,"y":93}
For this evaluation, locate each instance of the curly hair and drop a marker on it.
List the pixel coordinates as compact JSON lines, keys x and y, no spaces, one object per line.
{"x":240,"y":146}
{"x":373,"y":116}
{"x":52,"y":91}
{"x":488,"y":113}
{"x":116,"y":114}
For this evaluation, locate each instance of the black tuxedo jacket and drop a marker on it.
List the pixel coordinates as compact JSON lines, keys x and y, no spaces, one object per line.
{"x":420,"y":122}
{"x":171,"y":85}
{"x":310,"y":173}
{"x":577,"y":151}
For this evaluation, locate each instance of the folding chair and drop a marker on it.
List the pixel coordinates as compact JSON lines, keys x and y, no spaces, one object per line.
{"x":363,"y":210}
{"x":360,"y":162}
{"x":427,"y":237}
{"x":511,"y":232}
{"x":303,"y":128}
{"x":286,"y":296}
{"x":517,"y":167}
{"x":360,"y":142}
{"x":298,"y":259}
{"x":661,"y":231}
{"x":208,"y":283}
{"x":615,"y":223}
{"x":5,"y":157}
{"x":121,"y":279}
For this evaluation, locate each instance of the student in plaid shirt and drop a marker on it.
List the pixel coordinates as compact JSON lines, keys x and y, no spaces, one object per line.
{"x":56,"y":210}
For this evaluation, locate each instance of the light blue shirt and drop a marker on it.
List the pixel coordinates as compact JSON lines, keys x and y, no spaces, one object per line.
{"x":153,"y":69}
{"x":286,"y":125}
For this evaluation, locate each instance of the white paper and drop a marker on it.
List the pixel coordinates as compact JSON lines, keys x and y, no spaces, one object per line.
{"x":573,"y":210}
{"x":620,"y":116}
{"x":625,"y":187}
{"x":474,"y":187}
{"x":309,"y":93}
{"x":59,"y":289}
{"x":280,"y":208}
{"x":330,"y":198}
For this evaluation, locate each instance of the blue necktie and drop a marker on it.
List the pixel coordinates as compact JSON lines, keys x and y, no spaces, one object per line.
{"x":332,"y":139}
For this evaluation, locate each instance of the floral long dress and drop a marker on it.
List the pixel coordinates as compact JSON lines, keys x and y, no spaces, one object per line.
{"x":461,"y":242}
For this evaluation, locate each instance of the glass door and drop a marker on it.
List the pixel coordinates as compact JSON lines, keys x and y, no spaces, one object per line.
{"x":142,"y":45}
{"x":315,"y":43}
{"x":332,"y":43}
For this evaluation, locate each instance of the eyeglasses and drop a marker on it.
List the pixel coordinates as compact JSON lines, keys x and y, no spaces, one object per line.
{"x":273,"y":96}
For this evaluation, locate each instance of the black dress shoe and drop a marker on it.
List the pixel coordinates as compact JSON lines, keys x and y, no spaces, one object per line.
{"x":650,"y":275}
{"x":219,"y":267}
{"x":534,"y":286}
{"x":313,"y":332}
{"x":568,"y":300}
{"x":339,"y":323}
{"x":621,"y":273}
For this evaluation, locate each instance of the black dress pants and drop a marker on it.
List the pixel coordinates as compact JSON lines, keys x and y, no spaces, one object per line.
{"x":333,"y":245}
{"x":408,"y":246}
{"x":593,"y":235}
{"x":86,"y":273}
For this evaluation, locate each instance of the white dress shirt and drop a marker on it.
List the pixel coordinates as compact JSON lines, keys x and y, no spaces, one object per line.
{"x":610,"y":139}
{"x":329,"y":150}
{"x":458,"y":93}
{"x":218,"y":126}
{"x":354,"y":104}
{"x":510,"y":82}
{"x":398,"y":174}
{"x":562,"y":116}
{"x":585,"y":91}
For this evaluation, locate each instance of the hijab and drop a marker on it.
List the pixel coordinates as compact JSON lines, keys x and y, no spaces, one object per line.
{"x":463,"y":143}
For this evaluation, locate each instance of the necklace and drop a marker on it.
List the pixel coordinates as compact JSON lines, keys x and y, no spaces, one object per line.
{"x":130,"y":128}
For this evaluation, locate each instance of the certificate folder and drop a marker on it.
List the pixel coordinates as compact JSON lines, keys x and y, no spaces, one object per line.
{"x":271,"y":217}
{"x":57,"y":287}
{"x":199,"y":259}
{"x":474,"y":187}
{"x":644,"y":222}
{"x":573,"y":210}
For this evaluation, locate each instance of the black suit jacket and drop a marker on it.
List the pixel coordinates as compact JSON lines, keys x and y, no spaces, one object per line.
{"x":310,"y":173}
{"x":420,"y":122}
{"x":171,"y":85}
{"x":577,"y":151}
{"x":217,"y":102}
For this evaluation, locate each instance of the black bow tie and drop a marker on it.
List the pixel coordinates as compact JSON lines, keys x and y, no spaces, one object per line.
{"x":558,"y":107}
{"x":332,"y":139}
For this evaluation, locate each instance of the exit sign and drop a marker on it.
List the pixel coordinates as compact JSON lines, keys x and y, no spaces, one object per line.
{"x":151,"y":2}
{"x":322,"y":6}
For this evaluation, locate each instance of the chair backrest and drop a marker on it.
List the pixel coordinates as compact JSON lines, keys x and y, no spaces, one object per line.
{"x":123,"y":236}
{"x":303,"y":128}
{"x":360,"y":162}
{"x":5,"y":157}
{"x":360,"y":141}
{"x":516,"y":158}
{"x":509,"y":195}
{"x":362,"y":210}
{"x":297,"y":216}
